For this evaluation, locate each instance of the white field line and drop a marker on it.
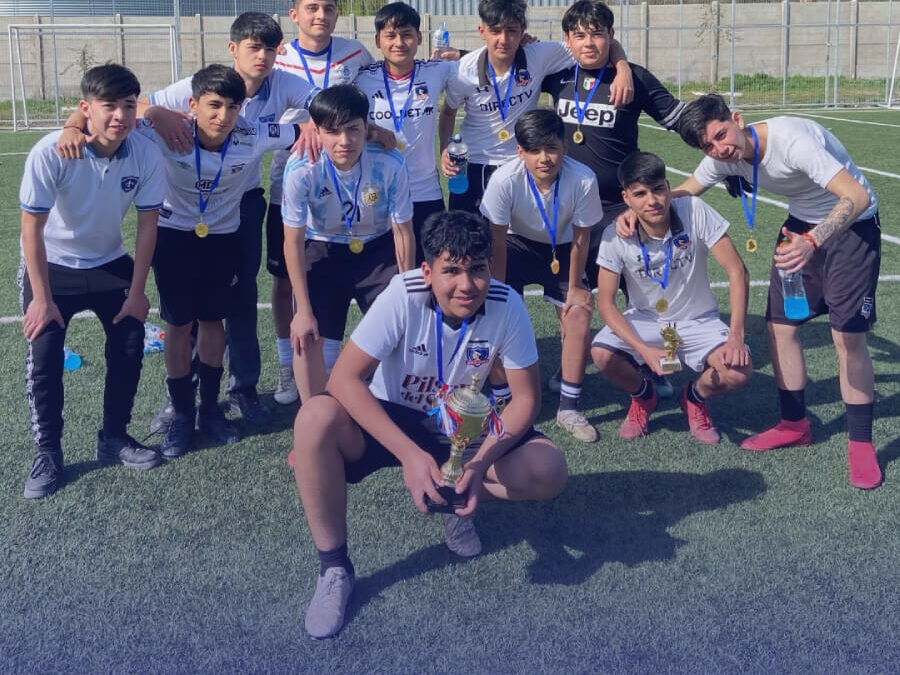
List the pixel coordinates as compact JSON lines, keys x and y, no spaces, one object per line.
{"x":11,"y":154}
{"x":844,"y":119}
{"x":885,"y":278}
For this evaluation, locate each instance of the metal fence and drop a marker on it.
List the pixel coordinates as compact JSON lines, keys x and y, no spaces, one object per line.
{"x":779,"y":53}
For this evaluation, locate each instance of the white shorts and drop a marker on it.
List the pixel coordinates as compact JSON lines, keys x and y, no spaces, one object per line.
{"x":701,"y":337}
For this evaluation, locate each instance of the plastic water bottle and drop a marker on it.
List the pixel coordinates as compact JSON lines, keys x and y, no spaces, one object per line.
{"x":71,"y":360}
{"x":440,"y":39}
{"x":153,"y":339}
{"x":458,"y":152}
{"x":796,"y":306}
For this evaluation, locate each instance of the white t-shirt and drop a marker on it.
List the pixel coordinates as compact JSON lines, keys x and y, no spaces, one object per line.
{"x":86,"y":199}
{"x":801,"y":158}
{"x":279,"y":93}
{"x":696,"y":227}
{"x":347,"y":57}
{"x":508,"y":200}
{"x":474,"y":89}
{"x":246,"y":146}
{"x":419,"y":128}
{"x":399,"y":331}
{"x":383,"y":197}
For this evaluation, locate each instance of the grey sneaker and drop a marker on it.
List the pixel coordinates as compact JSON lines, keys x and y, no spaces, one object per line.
{"x":46,"y":476}
{"x":163,"y":418}
{"x":461,"y":536}
{"x":577,"y":425}
{"x":325,"y":614}
{"x":126,"y":451}
{"x":247,"y":405}
{"x":286,"y":389}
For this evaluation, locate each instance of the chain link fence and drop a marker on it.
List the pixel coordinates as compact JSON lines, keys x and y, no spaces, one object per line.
{"x":758,"y":54}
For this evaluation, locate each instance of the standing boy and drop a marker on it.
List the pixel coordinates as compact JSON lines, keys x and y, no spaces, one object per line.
{"x":73,"y":260}
{"x":665,"y":268}
{"x":542,"y":207}
{"x":833,"y":236}
{"x":322,"y":60}
{"x":348,"y":229}
{"x":451,"y":308}
{"x":198,"y":256}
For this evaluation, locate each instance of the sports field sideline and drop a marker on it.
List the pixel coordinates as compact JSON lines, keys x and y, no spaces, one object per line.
{"x":661,"y":555}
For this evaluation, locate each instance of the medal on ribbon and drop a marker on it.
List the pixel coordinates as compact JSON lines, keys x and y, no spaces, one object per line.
{"x":581,"y":111}
{"x":750,"y":212}
{"x":662,"y":304}
{"x":356,"y":244}
{"x":201,"y":229}
{"x":551,"y":229}
{"x":502,"y":106}
{"x":395,"y":119}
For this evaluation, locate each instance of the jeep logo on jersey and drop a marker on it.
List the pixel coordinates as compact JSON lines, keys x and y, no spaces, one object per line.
{"x":129,"y":183}
{"x":274,"y":131}
{"x":596,"y":115}
{"x":204,"y":185}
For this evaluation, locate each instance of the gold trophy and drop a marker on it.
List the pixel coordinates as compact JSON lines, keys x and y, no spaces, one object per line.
{"x":470,"y":411}
{"x":670,"y":363}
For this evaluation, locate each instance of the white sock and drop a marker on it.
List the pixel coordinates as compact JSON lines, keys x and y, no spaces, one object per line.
{"x":285,"y":351}
{"x":331,"y":349}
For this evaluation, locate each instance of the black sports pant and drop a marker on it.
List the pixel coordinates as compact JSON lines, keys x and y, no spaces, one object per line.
{"x":102,"y":290}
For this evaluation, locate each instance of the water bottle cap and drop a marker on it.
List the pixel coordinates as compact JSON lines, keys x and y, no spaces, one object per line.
{"x":456,"y":138}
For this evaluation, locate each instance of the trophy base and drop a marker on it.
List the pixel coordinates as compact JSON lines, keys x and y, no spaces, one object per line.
{"x":454,"y":500}
{"x":669,"y":365}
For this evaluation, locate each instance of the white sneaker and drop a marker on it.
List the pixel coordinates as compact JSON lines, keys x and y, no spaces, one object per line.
{"x":325,"y":614}
{"x":461,"y":536}
{"x":286,"y":390}
{"x":577,"y":425}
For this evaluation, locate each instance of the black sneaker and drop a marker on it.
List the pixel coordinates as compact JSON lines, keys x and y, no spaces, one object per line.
{"x":46,"y":476}
{"x":247,"y":405}
{"x":178,"y":435}
{"x":664,"y":388}
{"x":163,"y":418}
{"x":212,"y":422}
{"x":126,"y":451}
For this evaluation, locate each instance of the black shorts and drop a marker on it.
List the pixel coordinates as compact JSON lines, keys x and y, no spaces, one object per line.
{"x":196,"y":277}
{"x":112,"y":276}
{"x":423,"y":431}
{"x":421,"y":211}
{"x":528,"y":262}
{"x":335,"y":276}
{"x":840,"y":279}
{"x":479,"y":175}
{"x":275,"y":243}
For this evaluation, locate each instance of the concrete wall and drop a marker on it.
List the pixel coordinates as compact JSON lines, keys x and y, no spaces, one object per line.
{"x":688,"y":45}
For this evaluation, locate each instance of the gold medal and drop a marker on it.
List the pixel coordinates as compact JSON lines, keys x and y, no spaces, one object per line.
{"x":503,"y":135}
{"x":751,"y":245}
{"x":554,"y":265}
{"x":662,"y":305}
{"x":356,"y":245}
{"x":201,"y":229}
{"x":578,"y":136}
{"x":401,"y":144}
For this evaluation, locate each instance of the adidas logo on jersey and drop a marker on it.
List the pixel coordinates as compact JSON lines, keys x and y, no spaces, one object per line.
{"x":419,"y":350}
{"x":324,"y":192}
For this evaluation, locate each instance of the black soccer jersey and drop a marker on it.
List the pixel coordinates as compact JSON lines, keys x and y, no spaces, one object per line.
{"x":609,"y":134}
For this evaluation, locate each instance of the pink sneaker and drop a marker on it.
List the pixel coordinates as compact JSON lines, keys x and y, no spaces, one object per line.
{"x":785,"y":434}
{"x":699,"y":420}
{"x":638,"y":418}
{"x":864,"y":470}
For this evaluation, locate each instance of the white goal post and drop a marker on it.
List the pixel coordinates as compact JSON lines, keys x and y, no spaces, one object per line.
{"x":148,"y":49}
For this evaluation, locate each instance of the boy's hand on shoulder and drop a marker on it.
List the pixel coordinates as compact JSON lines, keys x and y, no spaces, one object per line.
{"x":171,"y":127}
{"x":71,"y":142}
{"x":626,"y":224}
{"x":308,"y":143}
{"x":382,"y":136}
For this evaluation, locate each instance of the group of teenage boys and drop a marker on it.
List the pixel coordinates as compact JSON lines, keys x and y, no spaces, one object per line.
{"x":356,"y":213}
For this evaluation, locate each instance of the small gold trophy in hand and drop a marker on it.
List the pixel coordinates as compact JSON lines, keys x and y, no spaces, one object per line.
{"x":468,"y":411}
{"x":670,"y":363}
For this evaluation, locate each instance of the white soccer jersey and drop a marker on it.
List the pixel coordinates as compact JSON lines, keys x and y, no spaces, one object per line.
{"x":382,"y":197}
{"x":245,"y":147}
{"x":279,"y":93}
{"x":399,"y":330}
{"x":696,"y":227}
{"x":86,"y":199}
{"x":801,"y":158}
{"x":420,"y":96}
{"x":474,"y":89}
{"x":508,"y":200}
{"x":347,"y":57}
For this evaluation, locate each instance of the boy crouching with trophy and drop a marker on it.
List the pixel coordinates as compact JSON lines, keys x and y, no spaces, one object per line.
{"x":671,"y":314}
{"x":425,"y":338}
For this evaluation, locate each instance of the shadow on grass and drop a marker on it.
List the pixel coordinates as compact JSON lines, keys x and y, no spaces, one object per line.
{"x":613,"y":517}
